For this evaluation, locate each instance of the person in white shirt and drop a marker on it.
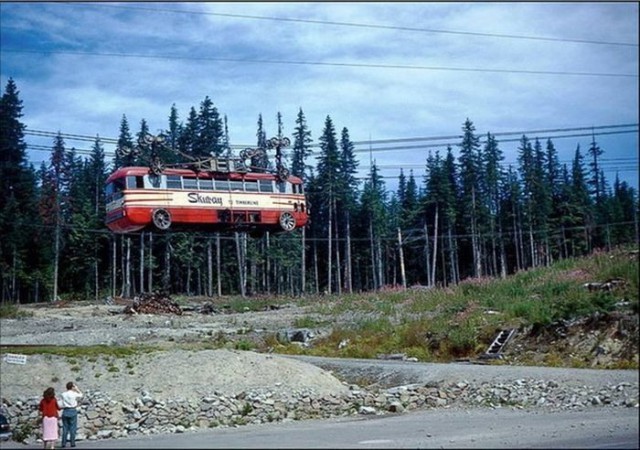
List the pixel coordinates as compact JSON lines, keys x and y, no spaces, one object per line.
{"x":69,"y":404}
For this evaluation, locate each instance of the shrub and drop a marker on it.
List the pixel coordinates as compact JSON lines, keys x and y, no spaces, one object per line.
{"x":10,"y":311}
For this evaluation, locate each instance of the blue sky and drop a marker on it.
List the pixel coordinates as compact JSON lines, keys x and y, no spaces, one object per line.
{"x":406,"y":73}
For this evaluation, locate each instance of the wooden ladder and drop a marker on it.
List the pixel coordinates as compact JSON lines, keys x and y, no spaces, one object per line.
{"x":498,"y":344}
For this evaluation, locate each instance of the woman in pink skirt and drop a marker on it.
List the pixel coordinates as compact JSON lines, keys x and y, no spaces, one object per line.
{"x":50,"y":410}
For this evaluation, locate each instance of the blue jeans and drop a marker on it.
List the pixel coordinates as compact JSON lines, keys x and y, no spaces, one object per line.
{"x":69,"y":426}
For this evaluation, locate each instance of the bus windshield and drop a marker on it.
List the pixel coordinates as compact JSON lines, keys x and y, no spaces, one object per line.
{"x":114,"y":190}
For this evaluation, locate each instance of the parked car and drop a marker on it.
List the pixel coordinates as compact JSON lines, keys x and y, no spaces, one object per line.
{"x":5,"y":427}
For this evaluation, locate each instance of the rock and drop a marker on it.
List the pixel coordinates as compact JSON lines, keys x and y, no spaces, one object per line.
{"x":396,"y":407}
{"x":367,"y":410}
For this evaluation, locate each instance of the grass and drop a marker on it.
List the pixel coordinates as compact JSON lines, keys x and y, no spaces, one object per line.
{"x":441,"y":324}
{"x":91,"y":352}
{"x":13,"y":311}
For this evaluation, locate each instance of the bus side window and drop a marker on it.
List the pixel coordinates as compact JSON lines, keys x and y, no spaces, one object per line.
{"x":174,"y":182}
{"x":236,"y":185}
{"x":153,"y":181}
{"x":190,"y":183}
{"x":135,"y":182}
{"x":206,"y":184}
{"x":284,"y":187}
{"x":222,"y":185}
{"x":266,"y":185}
{"x":250,"y":186}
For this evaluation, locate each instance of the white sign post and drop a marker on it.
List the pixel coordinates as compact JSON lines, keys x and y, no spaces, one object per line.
{"x":12,"y":358}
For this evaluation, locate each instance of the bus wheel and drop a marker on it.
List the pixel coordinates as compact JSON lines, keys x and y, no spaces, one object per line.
{"x":162,"y":219}
{"x":287,"y":221}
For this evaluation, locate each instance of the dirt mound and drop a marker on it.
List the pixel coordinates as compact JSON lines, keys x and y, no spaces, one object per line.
{"x":172,"y":374}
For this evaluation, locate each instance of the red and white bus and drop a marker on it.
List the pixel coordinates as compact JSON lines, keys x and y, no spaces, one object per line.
{"x":137,"y":199}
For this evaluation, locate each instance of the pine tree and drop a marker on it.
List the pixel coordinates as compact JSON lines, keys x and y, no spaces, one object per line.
{"x":450,"y":199}
{"x":13,"y":159}
{"x":581,"y":203}
{"x":17,"y":199}
{"x":54,"y":203}
{"x":541,"y":205}
{"x":470,"y":162}
{"x":209,"y":131}
{"x":373,"y":219}
{"x":512,"y":206}
{"x":594,"y":181}
{"x":301,"y":147}
{"x":168,"y":151}
{"x":527,"y":170}
{"x":329,"y":183}
{"x":188,"y":139}
{"x":433,"y":203}
{"x":124,"y":157}
{"x":347,"y":201}
{"x":493,"y":180}
{"x":553,"y":179}
{"x":260,"y":161}
{"x":624,"y":207}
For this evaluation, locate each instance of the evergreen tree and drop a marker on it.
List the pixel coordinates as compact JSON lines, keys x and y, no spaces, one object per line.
{"x":226,"y":143}
{"x":595,"y":182}
{"x":553,"y":179}
{"x":541,"y":205}
{"x":189,"y":136}
{"x":450,"y":196}
{"x":301,"y":147}
{"x":527,"y":169}
{"x":512,"y":206}
{"x":581,"y":203}
{"x":260,"y":161}
{"x":493,"y":180}
{"x":624,"y":207}
{"x":13,"y":160}
{"x":408,"y":210}
{"x":173,"y":132}
{"x":144,"y":157}
{"x":209,"y":140}
{"x":347,"y":201}
{"x":124,"y":157}
{"x":330,"y":184}
{"x":54,"y":203}
{"x":17,"y":200}
{"x":373,"y":218}
{"x":168,"y":151}
{"x":470,"y":166}
{"x":433,"y":203}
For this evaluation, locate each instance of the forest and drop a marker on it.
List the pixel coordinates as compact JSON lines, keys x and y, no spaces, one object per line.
{"x":468,"y":217}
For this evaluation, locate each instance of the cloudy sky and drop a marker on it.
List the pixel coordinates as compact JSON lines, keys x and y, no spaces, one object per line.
{"x":402,"y":77}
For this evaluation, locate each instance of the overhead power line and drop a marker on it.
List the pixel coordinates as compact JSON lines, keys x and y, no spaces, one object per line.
{"x":369,"y":25}
{"x":319,"y":63}
{"x":482,"y":141}
{"x":595,"y":130}
{"x":500,"y":133}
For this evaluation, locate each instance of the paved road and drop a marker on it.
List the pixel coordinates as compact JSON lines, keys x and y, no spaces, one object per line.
{"x":394,"y":373}
{"x":597,"y":428}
